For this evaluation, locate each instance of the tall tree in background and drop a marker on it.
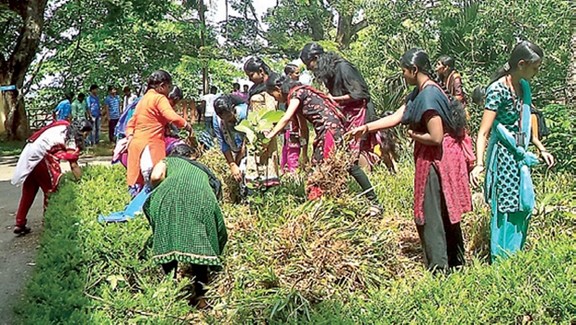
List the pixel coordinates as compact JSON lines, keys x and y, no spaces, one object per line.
{"x":202,"y":14}
{"x":340,"y":21}
{"x":351,"y":20}
{"x":291,"y":23}
{"x":22,"y":23}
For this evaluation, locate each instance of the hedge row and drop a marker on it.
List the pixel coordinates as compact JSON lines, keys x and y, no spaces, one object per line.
{"x":89,"y":273}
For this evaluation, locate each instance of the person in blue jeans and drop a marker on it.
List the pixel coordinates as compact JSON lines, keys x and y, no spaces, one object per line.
{"x":95,"y":114}
{"x":112,"y":107}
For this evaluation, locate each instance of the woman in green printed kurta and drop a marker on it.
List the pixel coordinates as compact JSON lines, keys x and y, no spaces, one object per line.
{"x":183,"y":210}
{"x":508,"y":186}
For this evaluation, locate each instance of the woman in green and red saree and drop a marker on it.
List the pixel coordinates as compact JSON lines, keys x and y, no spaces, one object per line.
{"x":505,"y":127}
{"x":441,"y":191}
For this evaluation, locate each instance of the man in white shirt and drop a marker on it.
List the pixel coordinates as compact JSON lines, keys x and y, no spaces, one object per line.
{"x":128,"y":99}
{"x":208,"y":101}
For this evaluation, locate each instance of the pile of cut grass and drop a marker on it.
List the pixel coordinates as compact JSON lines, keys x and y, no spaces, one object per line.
{"x":290,"y":260}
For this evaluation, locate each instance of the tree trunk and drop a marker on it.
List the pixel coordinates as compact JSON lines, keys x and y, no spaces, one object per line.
{"x":571,"y":76}
{"x":202,"y":16}
{"x":14,"y":66}
{"x":347,"y":30}
{"x":317,"y":22}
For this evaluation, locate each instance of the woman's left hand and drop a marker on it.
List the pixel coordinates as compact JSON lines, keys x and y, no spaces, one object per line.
{"x":548,"y":158}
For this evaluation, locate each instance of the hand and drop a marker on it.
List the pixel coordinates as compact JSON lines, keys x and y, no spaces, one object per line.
{"x":411,"y":133}
{"x":236,"y":173}
{"x":358,"y":132}
{"x":188,"y":127}
{"x":548,"y":158}
{"x":475,"y":175}
{"x":305,"y":160}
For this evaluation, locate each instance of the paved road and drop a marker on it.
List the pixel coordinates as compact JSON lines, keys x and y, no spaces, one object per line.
{"x":17,"y":253}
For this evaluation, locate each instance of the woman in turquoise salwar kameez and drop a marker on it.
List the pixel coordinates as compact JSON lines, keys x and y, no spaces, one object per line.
{"x":508,"y":188}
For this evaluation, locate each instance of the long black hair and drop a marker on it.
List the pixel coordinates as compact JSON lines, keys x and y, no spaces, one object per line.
{"x":447,"y":61}
{"x":182,"y":150}
{"x":418,"y":59}
{"x":157,"y":78}
{"x":254,"y":64}
{"x":523,"y":51}
{"x":478,"y":95}
{"x":326,"y":62}
{"x":285,"y":83}
{"x":176,"y":94}
{"x":227,"y":103}
{"x":310,"y":51}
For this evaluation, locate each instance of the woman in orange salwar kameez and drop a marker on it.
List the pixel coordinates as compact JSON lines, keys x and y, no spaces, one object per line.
{"x":145,"y":130}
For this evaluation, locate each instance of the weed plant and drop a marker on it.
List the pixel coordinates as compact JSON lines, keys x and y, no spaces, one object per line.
{"x":289,"y":260}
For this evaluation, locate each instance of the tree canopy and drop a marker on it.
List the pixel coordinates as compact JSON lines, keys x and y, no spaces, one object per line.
{"x":121,"y":42}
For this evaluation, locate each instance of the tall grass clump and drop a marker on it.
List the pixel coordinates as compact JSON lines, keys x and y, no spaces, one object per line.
{"x":290,"y":260}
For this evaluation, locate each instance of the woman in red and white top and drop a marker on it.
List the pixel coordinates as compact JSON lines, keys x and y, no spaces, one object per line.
{"x":39,"y":164}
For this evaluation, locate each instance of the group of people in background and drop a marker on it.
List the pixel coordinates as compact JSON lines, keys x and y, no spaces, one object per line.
{"x":183,"y":208}
{"x":81,"y":107}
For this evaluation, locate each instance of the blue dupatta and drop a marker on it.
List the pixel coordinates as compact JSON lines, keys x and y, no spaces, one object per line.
{"x":524,"y":158}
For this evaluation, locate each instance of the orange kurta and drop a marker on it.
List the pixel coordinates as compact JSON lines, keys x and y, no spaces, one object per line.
{"x":152,"y":114}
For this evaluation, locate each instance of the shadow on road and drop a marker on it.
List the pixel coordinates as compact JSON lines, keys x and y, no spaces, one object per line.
{"x":18,"y":253}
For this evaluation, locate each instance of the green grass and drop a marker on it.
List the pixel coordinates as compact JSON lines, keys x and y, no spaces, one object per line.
{"x":292,"y":261}
{"x":11,"y":148}
{"x":103,"y":149}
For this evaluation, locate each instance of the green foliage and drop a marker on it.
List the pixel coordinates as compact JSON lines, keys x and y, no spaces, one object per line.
{"x":90,"y":273}
{"x":532,"y":287}
{"x":9,"y":148}
{"x":290,"y":260}
{"x":478,"y":34}
{"x":561,"y":142}
{"x":121,"y":43}
{"x":255,"y":126}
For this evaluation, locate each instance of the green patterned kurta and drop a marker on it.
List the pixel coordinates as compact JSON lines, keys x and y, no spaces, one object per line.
{"x":186,"y":220}
{"x":507,"y":184}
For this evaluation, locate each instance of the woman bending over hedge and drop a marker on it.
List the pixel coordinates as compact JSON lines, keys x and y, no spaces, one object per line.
{"x":39,"y":164}
{"x":308,"y":104}
{"x":187,"y":224}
